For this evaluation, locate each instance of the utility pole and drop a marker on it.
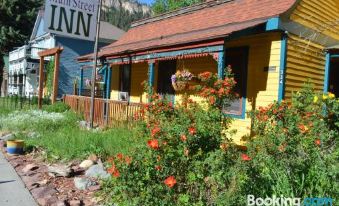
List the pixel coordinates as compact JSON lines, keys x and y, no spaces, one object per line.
{"x":95,"y":64}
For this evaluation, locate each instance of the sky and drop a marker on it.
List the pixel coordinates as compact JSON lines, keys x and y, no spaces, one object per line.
{"x":146,"y":1}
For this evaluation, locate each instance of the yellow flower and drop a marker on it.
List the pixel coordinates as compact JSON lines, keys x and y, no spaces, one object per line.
{"x":325,"y":97}
{"x":331,"y":95}
{"x":315,"y":99}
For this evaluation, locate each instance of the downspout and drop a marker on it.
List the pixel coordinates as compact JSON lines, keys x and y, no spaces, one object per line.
{"x":282,"y":71}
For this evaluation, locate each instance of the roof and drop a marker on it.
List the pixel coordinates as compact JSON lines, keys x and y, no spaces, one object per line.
{"x":108,"y":32}
{"x":210,"y":20}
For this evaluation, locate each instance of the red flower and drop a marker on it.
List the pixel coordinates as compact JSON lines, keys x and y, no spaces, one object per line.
{"x":192,"y":130}
{"x":303,"y":128}
{"x":155,"y":131}
{"x":116,"y":173}
{"x":170,"y":181}
{"x":183,"y":138}
{"x":158,"y":167}
{"x":317,"y":142}
{"x":245,"y":157}
{"x":154,"y":144}
{"x":212,"y":99}
{"x":120,"y":156}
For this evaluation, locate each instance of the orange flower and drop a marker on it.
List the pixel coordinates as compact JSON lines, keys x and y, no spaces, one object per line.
{"x":154,"y":144}
{"x":192,"y":130}
{"x":245,"y":157}
{"x":116,"y":173}
{"x":113,"y":171}
{"x":128,"y":160}
{"x":183,"y":138}
{"x":170,"y":181}
{"x":317,"y":142}
{"x":212,"y":99}
{"x":303,"y":128}
{"x":158,"y":167}
{"x":120,"y":156}
{"x":155,"y":131}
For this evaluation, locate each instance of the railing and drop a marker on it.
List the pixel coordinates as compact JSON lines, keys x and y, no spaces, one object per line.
{"x":106,"y":112}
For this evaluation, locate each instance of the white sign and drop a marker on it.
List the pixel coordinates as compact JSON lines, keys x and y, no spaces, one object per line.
{"x":73,"y":18}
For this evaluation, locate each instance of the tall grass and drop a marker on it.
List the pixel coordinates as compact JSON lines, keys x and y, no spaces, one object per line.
{"x":61,"y":137}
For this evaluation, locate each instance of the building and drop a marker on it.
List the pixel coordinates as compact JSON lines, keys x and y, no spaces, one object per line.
{"x":24,"y":61}
{"x":273,"y":46}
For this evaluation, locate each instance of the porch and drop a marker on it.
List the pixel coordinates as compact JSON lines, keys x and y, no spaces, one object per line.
{"x":255,"y":60}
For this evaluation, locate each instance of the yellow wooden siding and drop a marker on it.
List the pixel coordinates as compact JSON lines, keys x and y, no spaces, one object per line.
{"x":139,"y":74}
{"x":305,"y":61}
{"x":320,"y":15}
{"x":115,"y":82}
{"x":262,"y":86}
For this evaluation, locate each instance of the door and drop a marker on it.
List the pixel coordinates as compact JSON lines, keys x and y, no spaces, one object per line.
{"x":165,"y":70}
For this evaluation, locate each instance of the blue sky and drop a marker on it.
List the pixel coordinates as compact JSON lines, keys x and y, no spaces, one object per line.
{"x":146,"y":1}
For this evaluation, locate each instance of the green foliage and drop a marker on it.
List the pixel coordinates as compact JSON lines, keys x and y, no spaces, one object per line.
{"x":60,"y":136}
{"x":16,"y":22}
{"x":49,"y":77}
{"x":188,"y":162}
{"x":173,"y":167}
{"x":162,"y":6}
{"x":58,"y":107}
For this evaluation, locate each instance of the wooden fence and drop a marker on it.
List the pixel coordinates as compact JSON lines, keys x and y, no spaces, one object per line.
{"x":106,"y":112}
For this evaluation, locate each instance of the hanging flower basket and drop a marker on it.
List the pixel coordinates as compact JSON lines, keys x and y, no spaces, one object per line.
{"x":180,"y":85}
{"x":181,"y":80}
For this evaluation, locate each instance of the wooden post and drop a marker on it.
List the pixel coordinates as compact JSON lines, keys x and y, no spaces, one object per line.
{"x":56,"y":76}
{"x":41,"y":81}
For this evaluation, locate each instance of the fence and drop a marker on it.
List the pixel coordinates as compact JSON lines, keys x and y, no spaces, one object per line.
{"x":106,"y":112}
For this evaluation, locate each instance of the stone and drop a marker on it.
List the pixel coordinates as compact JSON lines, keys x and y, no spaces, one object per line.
{"x":7,"y":137}
{"x":60,"y":171}
{"x":83,"y":124}
{"x":94,"y":188}
{"x":97,"y":171}
{"x":75,"y":203}
{"x":30,"y":167}
{"x":93,"y":157}
{"x":61,"y":203}
{"x":49,"y":200}
{"x":86,"y":164}
{"x":41,"y":192}
{"x":83,"y":183}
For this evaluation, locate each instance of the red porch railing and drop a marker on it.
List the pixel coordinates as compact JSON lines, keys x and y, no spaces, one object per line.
{"x":106,"y":112}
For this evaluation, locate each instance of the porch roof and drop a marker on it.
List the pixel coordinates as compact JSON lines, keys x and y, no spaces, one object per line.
{"x":198,"y":23}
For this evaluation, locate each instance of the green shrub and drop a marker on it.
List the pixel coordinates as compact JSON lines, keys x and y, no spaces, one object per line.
{"x":58,"y":107}
{"x":186,"y":160}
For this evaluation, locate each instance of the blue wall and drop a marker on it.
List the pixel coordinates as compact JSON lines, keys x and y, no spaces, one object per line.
{"x":69,"y":67}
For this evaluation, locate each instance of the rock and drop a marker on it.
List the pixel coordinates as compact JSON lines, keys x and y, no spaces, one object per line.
{"x":7,"y":137}
{"x":33,"y":135}
{"x":60,"y":171}
{"x":94,"y":188}
{"x":83,"y":124}
{"x":97,"y":171}
{"x":75,"y":203}
{"x":61,"y":203}
{"x":83,"y":183}
{"x":86,"y":164}
{"x":30,"y":167}
{"x":93,"y":157}
{"x":49,"y":200}
{"x":41,"y":192}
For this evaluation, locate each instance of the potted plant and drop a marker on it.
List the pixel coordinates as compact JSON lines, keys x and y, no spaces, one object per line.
{"x":181,"y":80}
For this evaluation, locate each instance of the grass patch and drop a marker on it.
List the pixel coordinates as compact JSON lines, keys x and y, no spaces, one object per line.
{"x":60,"y":136}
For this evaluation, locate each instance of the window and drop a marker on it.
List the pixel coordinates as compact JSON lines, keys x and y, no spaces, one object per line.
{"x":238,"y":59}
{"x":125,"y":78}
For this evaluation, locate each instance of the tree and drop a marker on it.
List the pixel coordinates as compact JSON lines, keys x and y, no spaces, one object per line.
{"x":16,"y":22}
{"x":162,"y":6}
